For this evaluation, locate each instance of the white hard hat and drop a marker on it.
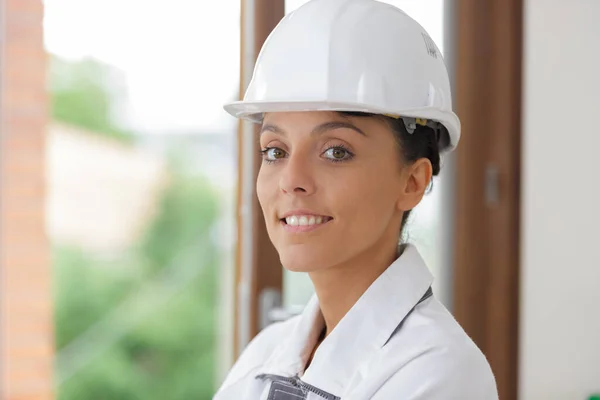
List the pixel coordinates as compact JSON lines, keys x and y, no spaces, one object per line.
{"x":351,"y":55}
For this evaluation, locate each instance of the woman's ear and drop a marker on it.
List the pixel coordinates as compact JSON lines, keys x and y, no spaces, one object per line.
{"x":415,"y":181}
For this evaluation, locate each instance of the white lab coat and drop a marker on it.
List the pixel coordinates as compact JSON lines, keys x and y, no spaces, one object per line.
{"x":379,"y":350}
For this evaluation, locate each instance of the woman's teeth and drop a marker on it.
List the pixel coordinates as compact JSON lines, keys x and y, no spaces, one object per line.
{"x":305,"y":220}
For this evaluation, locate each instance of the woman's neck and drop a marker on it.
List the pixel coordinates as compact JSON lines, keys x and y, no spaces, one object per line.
{"x":339,"y":288}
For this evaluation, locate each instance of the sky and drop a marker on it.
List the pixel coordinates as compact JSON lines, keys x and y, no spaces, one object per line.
{"x":180,"y":57}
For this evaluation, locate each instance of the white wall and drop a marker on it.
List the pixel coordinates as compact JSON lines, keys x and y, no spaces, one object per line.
{"x":560,"y":286}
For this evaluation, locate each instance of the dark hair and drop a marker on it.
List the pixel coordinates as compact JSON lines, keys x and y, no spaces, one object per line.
{"x":424,"y":142}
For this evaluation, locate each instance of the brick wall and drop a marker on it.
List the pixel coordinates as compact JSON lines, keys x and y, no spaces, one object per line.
{"x":26,"y":339}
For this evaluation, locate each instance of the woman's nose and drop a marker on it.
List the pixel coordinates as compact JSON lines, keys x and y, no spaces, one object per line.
{"x":297,"y":176}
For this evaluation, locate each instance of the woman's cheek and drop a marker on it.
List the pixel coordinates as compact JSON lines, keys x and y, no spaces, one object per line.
{"x":263,"y":190}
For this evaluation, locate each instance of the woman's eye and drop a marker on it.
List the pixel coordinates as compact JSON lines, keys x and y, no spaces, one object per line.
{"x":272,"y":154}
{"x":337,"y":154}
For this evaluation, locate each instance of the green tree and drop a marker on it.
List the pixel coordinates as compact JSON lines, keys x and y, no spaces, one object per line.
{"x":166,"y":350}
{"x":170,"y":354}
{"x":87,"y":94}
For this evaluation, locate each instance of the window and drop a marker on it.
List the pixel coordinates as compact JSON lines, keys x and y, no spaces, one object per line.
{"x":141,"y":195}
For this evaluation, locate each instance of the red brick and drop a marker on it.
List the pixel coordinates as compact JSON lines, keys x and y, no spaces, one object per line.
{"x":24,"y":165}
{"x":28,"y":379}
{"x":43,"y":396}
{"x":24,"y":28}
{"x":22,"y":96}
{"x":25,"y":137}
{"x":12,"y":203}
{"x":25,"y":284}
{"x":20,"y":8}
{"x":30,"y":53}
{"x":25,"y":325}
{"x":29,"y":72}
{"x":28,"y":264}
{"x":24,"y":190}
{"x":29,"y":345}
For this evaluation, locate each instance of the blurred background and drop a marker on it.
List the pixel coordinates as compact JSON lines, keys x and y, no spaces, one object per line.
{"x":133,"y":260}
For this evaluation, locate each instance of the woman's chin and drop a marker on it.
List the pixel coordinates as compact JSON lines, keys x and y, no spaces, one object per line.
{"x":295,"y":265}
{"x":301,"y":261}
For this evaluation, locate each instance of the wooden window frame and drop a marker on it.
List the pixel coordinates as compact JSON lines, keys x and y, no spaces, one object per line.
{"x":488,"y":168}
{"x":257,"y":263}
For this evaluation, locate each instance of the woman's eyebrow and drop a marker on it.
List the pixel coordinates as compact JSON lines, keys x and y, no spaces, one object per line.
{"x":272,"y":128}
{"x":319,"y":129}
{"x":327,"y":126}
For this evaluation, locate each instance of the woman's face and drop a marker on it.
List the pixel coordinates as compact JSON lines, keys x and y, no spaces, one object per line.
{"x":331,"y":187}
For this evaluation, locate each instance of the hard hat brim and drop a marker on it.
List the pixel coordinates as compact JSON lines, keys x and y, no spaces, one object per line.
{"x":254,"y":111}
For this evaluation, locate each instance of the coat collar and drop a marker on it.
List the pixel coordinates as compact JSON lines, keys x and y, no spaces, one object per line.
{"x":363,"y":330}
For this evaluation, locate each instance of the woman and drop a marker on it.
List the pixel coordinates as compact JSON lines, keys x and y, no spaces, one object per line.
{"x":354,"y":101}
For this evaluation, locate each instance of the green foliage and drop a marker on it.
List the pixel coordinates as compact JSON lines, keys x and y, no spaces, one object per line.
{"x":170,"y":354}
{"x":166,"y":343}
{"x":188,"y":212}
{"x":86,"y":289}
{"x":84,"y":94}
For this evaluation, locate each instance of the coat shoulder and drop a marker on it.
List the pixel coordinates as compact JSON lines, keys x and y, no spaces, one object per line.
{"x":441,"y":351}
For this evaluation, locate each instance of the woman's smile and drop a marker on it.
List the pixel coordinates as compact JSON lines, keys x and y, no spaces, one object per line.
{"x":301,"y":222}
